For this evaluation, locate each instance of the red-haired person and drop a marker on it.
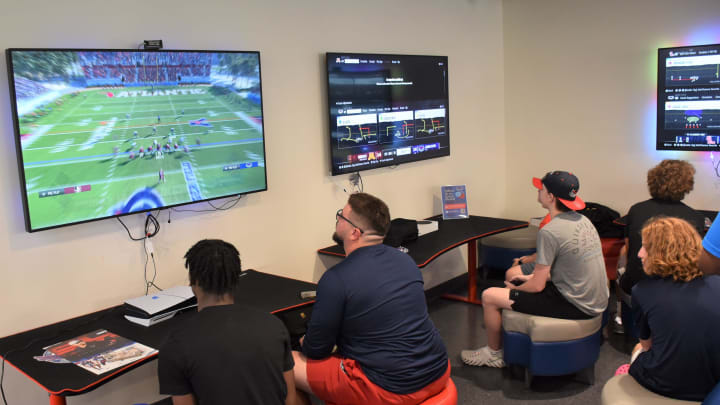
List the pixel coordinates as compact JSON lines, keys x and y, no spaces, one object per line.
{"x":677,"y":313}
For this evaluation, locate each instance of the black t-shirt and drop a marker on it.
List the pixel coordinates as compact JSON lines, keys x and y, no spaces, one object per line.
{"x":636,"y":218}
{"x":227,"y":354}
{"x":683,"y":321}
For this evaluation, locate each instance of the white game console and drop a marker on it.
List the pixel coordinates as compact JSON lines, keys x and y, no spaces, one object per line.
{"x":148,"y":310}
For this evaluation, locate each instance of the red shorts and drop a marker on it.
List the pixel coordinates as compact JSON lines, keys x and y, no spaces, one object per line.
{"x":338,"y":380}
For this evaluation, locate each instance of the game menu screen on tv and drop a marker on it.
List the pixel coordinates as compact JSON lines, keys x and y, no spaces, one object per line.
{"x":102,"y":133}
{"x":688,"y":103}
{"x":386,"y":110}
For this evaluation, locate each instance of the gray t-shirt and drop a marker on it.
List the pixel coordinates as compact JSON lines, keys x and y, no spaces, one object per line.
{"x":570,"y":245}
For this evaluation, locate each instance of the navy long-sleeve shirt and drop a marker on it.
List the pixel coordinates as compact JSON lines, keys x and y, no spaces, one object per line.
{"x":372,"y":306}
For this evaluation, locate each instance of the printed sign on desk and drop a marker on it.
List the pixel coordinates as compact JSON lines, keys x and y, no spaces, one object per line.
{"x":454,"y":202}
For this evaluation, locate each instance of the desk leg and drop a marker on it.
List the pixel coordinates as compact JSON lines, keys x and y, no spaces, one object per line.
{"x":472,"y":277}
{"x":57,"y":400}
{"x":472,"y":270}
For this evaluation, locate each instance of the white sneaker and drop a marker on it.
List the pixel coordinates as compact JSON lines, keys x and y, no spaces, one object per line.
{"x":483,"y":357}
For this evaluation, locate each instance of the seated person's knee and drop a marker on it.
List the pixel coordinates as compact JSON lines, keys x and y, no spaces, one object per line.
{"x":512,"y":272}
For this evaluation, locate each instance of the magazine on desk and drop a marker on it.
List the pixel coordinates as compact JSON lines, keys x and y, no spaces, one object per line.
{"x":99,"y":351}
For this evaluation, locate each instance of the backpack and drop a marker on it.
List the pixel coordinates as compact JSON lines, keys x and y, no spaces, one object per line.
{"x":602,"y":217}
{"x":401,"y":231}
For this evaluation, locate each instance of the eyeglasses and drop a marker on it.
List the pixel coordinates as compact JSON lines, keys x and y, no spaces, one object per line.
{"x":339,"y":215}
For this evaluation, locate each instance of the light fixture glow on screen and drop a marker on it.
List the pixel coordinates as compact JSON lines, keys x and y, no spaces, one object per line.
{"x":102,"y":133}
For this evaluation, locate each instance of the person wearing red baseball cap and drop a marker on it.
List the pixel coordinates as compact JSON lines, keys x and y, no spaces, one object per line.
{"x":562,"y":185}
{"x":567,"y":279}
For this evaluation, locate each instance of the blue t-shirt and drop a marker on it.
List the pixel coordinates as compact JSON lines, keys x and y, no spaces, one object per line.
{"x":711,"y":243}
{"x":372,"y":306}
{"x":683,"y":320}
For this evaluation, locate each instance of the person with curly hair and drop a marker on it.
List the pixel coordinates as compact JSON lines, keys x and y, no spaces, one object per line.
{"x":668,"y":182}
{"x":677,"y":314}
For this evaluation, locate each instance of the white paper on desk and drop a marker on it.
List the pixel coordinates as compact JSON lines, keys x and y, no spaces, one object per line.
{"x":424,"y":228}
{"x":104,"y":362}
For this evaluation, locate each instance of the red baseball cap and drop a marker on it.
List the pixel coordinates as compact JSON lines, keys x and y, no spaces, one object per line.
{"x":564,"y":186}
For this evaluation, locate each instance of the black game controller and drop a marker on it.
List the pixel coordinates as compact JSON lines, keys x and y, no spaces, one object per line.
{"x":517,"y":282}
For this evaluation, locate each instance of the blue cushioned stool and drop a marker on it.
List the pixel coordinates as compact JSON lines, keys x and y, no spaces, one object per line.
{"x":550,"y":346}
{"x":498,"y":251}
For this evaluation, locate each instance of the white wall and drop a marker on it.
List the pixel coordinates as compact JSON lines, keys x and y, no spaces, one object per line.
{"x":57,"y":274}
{"x":580,"y":82}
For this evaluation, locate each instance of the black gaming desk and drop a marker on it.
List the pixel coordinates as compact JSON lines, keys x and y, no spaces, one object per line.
{"x":451,"y":234}
{"x":275,"y":294}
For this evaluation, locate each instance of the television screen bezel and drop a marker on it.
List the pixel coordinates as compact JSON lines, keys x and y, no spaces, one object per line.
{"x":18,"y":143}
{"x":660,"y":102}
{"x":333,"y":170}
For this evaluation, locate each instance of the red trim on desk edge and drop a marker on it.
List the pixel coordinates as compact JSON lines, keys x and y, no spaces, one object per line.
{"x":87,"y":387}
{"x":304,"y":304}
{"x":327,"y":252}
{"x":421,"y":265}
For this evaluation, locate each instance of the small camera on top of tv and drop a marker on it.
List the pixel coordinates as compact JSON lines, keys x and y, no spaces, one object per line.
{"x":152,"y":44}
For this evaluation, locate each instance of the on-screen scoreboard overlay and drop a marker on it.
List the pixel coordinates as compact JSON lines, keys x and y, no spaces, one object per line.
{"x":102,"y":133}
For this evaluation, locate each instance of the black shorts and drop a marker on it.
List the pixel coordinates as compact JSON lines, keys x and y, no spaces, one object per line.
{"x":548,"y":302}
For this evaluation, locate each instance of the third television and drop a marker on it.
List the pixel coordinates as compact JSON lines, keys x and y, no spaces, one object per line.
{"x":688,"y":102}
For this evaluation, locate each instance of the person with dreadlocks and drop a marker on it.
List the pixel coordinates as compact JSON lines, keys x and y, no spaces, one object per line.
{"x":225,"y":353}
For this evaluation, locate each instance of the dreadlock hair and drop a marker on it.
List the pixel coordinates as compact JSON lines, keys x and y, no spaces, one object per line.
{"x":214,"y":266}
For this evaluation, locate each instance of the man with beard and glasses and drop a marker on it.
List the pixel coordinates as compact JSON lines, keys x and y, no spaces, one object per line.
{"x":372,"y":307}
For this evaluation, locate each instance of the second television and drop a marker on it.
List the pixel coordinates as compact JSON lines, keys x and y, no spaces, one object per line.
{"x":386,"y":109}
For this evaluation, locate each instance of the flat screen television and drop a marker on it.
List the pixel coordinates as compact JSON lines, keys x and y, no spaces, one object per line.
{"x":386,"y":109}
{"x":688,"y":100}
{"x":106,"y":132}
